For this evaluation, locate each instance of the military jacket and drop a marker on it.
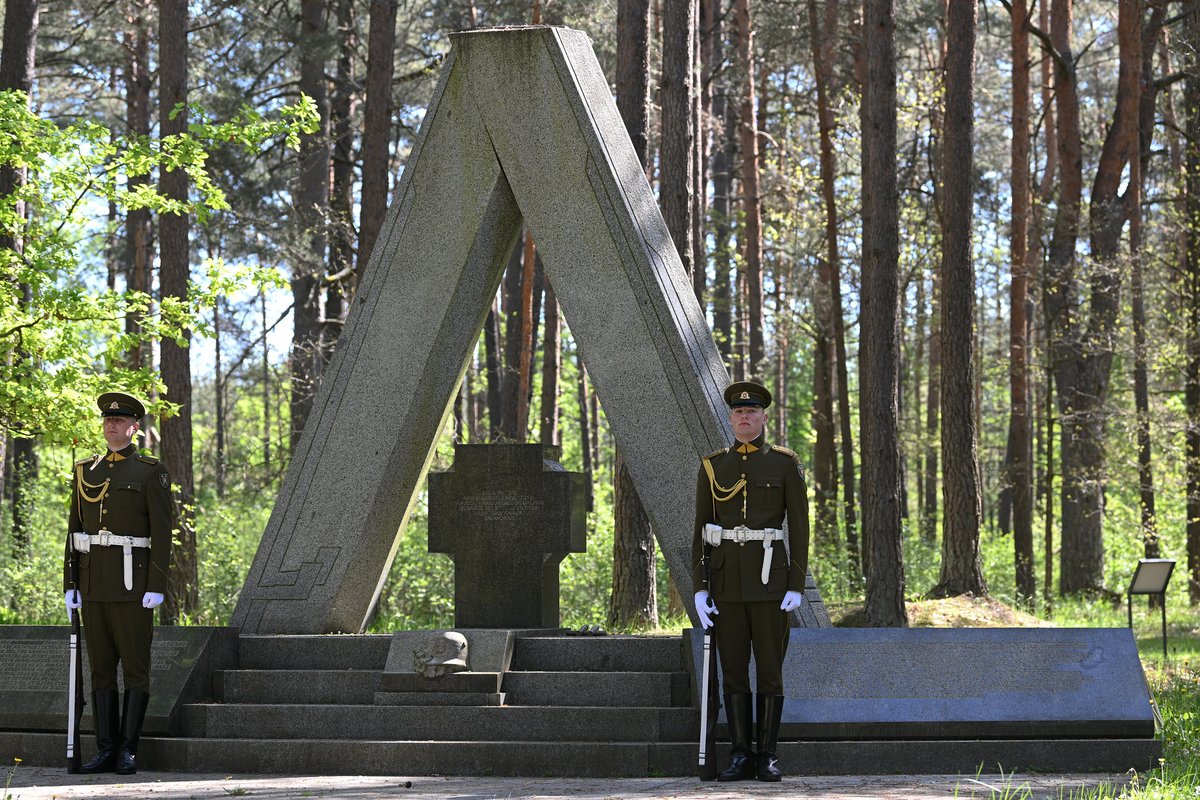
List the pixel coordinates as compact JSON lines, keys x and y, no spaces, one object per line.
{"x":126,"y":494}
{"x":770,"y":488}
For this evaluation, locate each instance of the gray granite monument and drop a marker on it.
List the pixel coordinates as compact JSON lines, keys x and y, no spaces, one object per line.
{"x":522,"y":127}
{"x":962,"y":683}
{"x":33,"y":674}
{"x":507,"y":514}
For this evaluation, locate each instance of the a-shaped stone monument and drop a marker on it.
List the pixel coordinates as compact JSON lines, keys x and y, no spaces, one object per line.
{"x":522,"y":126}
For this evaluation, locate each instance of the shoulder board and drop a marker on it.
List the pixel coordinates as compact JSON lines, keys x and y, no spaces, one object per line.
{"x":85,"y":460}
{"x":784,"y":450}
{"x":147,"y":459}
{"x":716,"y":453}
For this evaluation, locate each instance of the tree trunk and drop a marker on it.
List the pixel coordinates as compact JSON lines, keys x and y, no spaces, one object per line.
{"x":633,"y":598}
{"x":491,"y":347}
{"x":842,"y":391}
{"x":634,"y":593}
{"x":750,"y":232}
{"x":219,"y":399}
{"x":340,"y":280}
{"x":377,"y":126}
{"x":585,"y":436}
{"x":676,"y":160}
{"x":551,"y":360}
{"x":183,"y":595}
{"x":266,"y":384}
{"x":961,"y":568}
{"x":138,"y":242}
{"x":1191,"y":295}
{"x":311,"y":208}
{"x":16,"y":72}
{"x":1130,"y":47}
{"x":1060,"y":279}
{"x":724,"y":280}
{"x":933,"y":405}
{"x":21,"y":19}
{"x":883,"y":548}
{"x":918,"y":384}
{"x":633,"y":71}
{"x":1020,"y":433}
{"x":1082,"y":348}
{"x":510,"y":303}
{"x":528,"y":323}
{"x":824,"y":450}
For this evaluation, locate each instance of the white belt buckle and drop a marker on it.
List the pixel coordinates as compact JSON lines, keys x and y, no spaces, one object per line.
{"x":104,"y":538}
{"x":741,"y":534}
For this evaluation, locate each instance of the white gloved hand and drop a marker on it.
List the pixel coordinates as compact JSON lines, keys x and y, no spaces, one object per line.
{"x":151,"y":599}
{"x":791,"y":601}
{"x":706,"y":609}
{"x":73,"y":600}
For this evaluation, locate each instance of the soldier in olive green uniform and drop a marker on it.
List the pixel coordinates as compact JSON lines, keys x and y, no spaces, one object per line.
{"x":743,"y":494}
{"x":120,"y":528}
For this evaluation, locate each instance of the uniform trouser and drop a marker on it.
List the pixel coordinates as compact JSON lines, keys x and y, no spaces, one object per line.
{"x":118,"y":633}
{"x":757,"y":626}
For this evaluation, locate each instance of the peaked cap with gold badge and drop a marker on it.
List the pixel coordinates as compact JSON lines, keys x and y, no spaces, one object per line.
{"x":747,"y":393}
{"x":120,"y":404}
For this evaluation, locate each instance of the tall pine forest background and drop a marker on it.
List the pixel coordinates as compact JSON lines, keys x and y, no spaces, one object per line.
{"x":959,"y":241}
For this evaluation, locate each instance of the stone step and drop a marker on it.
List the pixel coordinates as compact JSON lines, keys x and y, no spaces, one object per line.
{"x":600,"y":759}
{"x":333,"y":651}
{"x":439,"y":698}
{"x":648,"y":689}
{"x":599,"y":653}
{"x":326,"y":686}
{"x":445,"y":724}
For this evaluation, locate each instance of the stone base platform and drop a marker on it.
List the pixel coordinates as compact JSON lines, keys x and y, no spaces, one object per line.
{"x":598,"y":707}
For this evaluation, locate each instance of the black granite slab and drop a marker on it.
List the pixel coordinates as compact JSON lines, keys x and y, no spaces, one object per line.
{"x":507,"y":514}
{"x":977,"y":683}
{"x":34,"y":662}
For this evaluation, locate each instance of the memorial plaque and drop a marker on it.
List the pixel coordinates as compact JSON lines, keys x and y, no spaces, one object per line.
{"x":507,"y":514}
{"x":962,"y":683}
{"x":34,"y":663}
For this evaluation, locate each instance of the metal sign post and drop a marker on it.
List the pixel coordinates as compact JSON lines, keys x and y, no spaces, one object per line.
{"x":1151,"y":577}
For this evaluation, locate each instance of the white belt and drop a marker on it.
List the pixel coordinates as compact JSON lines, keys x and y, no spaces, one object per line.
{"x":83,"y":543}
{"x":715,"y":534}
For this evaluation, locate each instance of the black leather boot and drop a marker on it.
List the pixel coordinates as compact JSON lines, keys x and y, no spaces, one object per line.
{"x":106,"y":714}
{"x":132,"y":717}
{"x":741,"y":757}
{"x":770,"y":712}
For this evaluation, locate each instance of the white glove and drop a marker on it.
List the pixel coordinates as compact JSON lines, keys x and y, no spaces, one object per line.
{"x":706,"y":609}
{"x":73,"y":600}
{"x":151,"y":599}
{"x":791,"y":601}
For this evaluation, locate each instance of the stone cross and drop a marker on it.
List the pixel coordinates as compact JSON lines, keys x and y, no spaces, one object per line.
{"x":507,"y":514}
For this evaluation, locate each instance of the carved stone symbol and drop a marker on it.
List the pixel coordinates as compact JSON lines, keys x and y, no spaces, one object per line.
{"x":441,"y":653}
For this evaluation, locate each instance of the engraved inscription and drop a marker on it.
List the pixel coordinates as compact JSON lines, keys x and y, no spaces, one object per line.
{"x":164,"y":655}
{"x":33,"y":665}
{"x":940,"y":670}
{"x":500,"y":508}
{"x":40,"y":665}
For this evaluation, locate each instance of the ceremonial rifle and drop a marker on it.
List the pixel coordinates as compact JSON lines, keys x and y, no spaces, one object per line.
{"x":709,"y":704}
{"x":75,"y":700}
